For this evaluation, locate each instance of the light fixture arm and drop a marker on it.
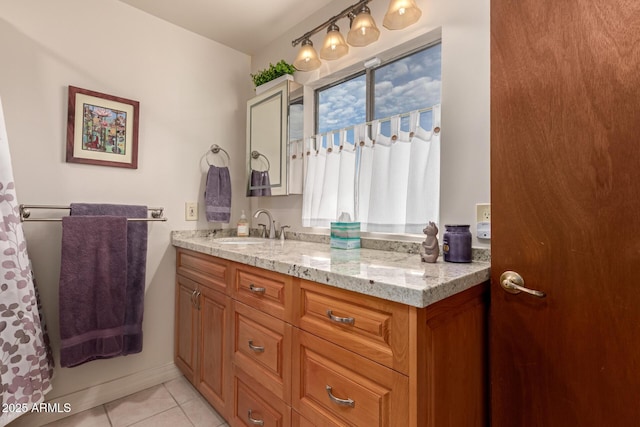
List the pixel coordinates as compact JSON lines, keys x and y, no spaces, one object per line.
{"x":347,"y":12}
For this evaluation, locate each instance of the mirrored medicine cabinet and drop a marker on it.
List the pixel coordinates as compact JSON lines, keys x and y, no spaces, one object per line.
{"x":274,"y":118}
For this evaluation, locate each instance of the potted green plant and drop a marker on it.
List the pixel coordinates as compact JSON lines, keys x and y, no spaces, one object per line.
{"x":273,"y":74}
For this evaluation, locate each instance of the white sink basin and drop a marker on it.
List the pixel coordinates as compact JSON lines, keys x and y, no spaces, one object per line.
{"x":241,"y":240}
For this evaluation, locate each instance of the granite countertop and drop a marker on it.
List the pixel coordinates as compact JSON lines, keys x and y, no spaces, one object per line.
{"x":391,"y":275}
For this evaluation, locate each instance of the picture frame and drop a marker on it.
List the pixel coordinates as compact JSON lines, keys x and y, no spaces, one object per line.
{"x":102,"y":129}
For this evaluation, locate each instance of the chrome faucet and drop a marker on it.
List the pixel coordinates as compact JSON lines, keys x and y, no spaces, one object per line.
{"x":272,"y":224}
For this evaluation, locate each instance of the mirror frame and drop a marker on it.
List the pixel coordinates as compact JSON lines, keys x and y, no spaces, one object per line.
{"x":279,"y":165}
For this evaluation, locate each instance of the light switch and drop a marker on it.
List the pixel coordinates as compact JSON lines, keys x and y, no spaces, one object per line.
{"x":191,"y":211}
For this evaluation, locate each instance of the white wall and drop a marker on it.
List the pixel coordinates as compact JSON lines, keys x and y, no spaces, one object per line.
{"x":465,"y":96}
{"x":192,"y":93}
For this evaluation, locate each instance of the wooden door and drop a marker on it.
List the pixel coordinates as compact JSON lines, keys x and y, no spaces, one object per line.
{"x":565,"y":189}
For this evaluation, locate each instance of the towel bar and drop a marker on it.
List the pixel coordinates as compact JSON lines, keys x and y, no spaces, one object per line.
{"x":25,"y":213}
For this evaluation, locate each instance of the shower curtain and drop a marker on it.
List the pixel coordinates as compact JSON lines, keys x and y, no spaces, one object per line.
{"x":26,"y":364}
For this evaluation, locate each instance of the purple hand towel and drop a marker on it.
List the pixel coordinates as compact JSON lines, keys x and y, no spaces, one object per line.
{"x":217,"y":194}
{"x":92,"y":288}
{"x":136,"y":266}
{"x":260,"y":183}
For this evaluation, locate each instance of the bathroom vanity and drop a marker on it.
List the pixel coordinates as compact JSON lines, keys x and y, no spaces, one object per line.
{"x":297,"y":334}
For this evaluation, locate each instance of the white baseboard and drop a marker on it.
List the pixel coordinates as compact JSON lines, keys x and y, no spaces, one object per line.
{"x":100,"y":394}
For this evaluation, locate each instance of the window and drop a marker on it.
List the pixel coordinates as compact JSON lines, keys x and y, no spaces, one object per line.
{"x":342,"y":105}
{"x":388,"y":184}
{"x":406,"y":84}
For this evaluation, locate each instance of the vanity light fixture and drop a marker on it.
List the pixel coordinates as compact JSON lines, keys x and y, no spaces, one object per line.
{"x":307,"y":58}
{"x":334,"y":46}
{"x":363,"y":31}
{"x":401,"y":14}
{"x":363,"y":28}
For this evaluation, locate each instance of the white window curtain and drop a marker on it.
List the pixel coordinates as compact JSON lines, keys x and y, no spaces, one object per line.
{"x":389,"y":184}
{"x":296,"y":166}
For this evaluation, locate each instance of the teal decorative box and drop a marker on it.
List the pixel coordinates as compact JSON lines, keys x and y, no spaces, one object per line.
{"x":345,"y":235}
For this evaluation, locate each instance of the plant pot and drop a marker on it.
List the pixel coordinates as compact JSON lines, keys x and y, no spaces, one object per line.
{"x":272,"y":83}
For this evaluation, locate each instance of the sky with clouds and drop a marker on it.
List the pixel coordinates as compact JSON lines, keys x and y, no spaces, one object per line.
{"x":401,"y":86}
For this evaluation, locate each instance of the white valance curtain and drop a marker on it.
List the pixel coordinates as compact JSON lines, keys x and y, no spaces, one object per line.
{"x":388,"y":183}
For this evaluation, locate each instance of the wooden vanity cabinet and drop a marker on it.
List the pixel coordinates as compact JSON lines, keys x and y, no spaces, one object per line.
{"x":202,"y":319}
{"x":305,"y":354}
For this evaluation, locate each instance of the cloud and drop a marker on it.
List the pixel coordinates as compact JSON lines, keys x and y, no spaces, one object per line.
{"x":342,"y":105}
{"x":416,"y":94}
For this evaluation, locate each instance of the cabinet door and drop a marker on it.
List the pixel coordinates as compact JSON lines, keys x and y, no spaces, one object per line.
{"x":186,"y":327}
{"x":213,"y":361}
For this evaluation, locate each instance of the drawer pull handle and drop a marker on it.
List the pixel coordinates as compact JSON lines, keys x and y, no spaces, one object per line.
{"x":337,"y":319}
{"x":193,"y":297}
{"x":256,"y":348}
{"x":342,"y":402}
{"x":256,"y":290}
{"x":254,"y":421}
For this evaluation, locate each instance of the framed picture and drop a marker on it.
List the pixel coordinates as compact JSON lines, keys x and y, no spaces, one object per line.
{"x":102,"y":129}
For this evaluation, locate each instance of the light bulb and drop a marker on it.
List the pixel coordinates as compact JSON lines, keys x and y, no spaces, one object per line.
{"x":307,"y":58}
{"x":363,"y":29}
{"x":334,"y":45}
{"x":401,"y":14}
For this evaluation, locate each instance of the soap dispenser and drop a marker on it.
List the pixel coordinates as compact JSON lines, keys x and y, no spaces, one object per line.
{"x":243,"y":226}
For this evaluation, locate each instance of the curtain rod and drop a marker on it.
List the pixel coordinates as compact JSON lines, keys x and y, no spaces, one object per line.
{"x":25,"y":213}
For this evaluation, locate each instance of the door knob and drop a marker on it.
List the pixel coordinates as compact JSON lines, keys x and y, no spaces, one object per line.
{"x":513,"y":283}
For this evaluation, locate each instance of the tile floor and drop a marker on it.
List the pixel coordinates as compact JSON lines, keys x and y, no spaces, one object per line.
{"x":172,"y":404}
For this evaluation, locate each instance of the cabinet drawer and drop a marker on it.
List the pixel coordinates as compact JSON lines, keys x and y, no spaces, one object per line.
{"x":256,"y":406}
{"x":298,"y":420}
{"x":262,"y":348}
{"x":372,"y":327}
{"x":338,"y":387}
{"x":261,"y":289}
{"x":204,"y":269}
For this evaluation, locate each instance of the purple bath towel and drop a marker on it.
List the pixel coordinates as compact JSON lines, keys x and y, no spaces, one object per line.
{"x":92,"y":288}
{"x":217,"y":194}
{"x":260,"y":183}
{"x":136,"y":266}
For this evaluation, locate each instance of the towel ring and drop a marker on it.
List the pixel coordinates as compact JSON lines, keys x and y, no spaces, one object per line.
{"x":255,"y":155}
{"x":215,"y":149}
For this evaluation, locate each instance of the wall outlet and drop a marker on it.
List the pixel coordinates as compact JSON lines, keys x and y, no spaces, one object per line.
{"x":483,"y":212}
{"x":483,"y":220}
{"x":191,"y":211}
